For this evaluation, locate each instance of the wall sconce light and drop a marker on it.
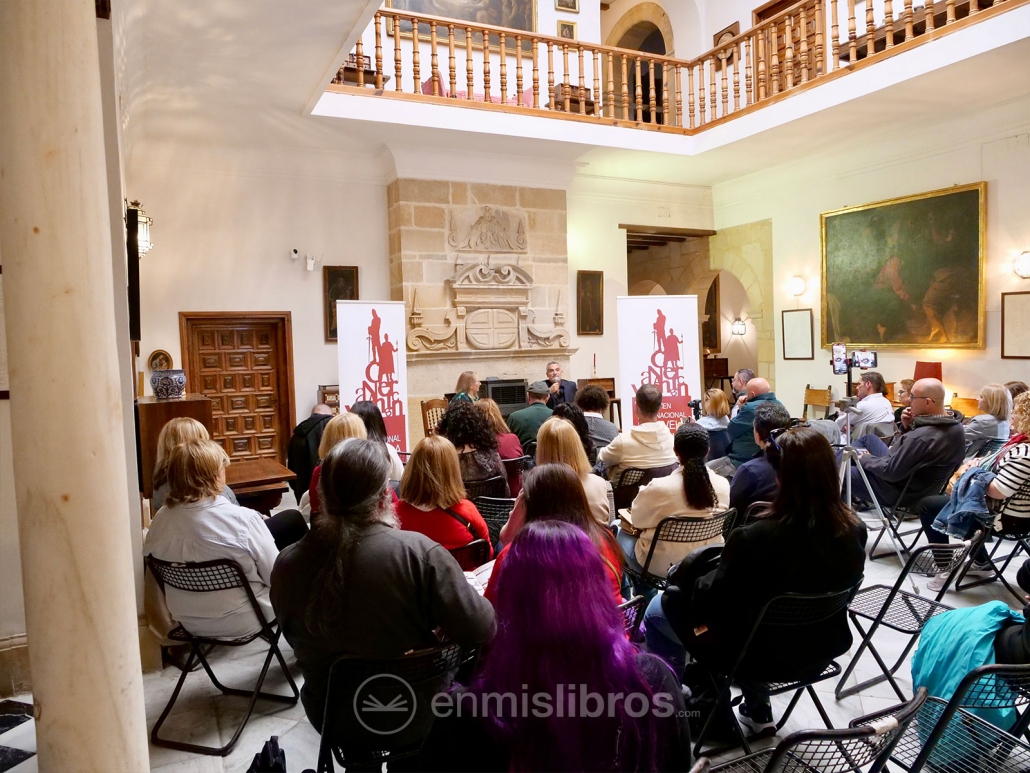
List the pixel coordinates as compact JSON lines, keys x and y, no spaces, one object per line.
{"x":1021,"y":265}
{"x":143,"y":224}
{"x":739,"y":327}
{"x":797,"y":285}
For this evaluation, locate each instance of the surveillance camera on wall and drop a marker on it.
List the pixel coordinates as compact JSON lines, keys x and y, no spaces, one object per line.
{"x":294,"y":253}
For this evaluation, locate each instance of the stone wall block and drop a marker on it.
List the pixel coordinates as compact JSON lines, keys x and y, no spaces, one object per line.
{"x":541,"y":198}
{"x":422,"y":240}
{"x":424,"y":191}
{"x":496,"y":195}
{"x":429,"y":217}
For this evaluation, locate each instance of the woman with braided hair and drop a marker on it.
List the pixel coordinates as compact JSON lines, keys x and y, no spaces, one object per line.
{"x":692,"y":491}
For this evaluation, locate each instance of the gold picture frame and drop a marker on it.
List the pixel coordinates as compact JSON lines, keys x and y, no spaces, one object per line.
{"x":568,"y":6}
{"x":411,"y":6}
{"x":906,"y":273}
{"x":159,"y":359}
{"x":568,"y":30}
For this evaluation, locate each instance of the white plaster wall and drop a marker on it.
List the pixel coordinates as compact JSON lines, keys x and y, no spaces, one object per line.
{"x":685,"y":17}
{"x":225,"y":220}
{"x":993,"y":146}
{"x":741,"y":351}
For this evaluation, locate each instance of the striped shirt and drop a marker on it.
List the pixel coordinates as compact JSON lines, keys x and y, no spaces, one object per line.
{"x":1012,"y":470}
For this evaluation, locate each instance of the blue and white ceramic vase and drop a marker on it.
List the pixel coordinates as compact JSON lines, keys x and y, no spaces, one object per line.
{"x":168,"y":384}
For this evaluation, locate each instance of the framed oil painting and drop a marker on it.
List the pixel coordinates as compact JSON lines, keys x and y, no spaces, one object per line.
{"x":567,"y":30}
{"x":725,"y":36}
{"x":513,"y":14}
{"x":572,"y":6}
{"x":906,"y":273}
{"x":711,"y":328}
{"x":590,"y":303}
{"x":339,"y":283}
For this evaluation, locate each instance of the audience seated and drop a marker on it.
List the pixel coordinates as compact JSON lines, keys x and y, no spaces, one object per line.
{"x":715,"y":409}
{"x":471,"y":433}
{"x":558,"y":625}
{"x":1016,"y":388}
{"x":739,"y":388}
{"x":647,"y":444}
{"x":873,"y":406}
{"x":928,"y":436}
{"x":400,"y":591}
{"x":302,"y":454}
{"x":558,"y":443}
{"x":574,"y":415}
{"x":552,"y":491}
{"x":198,"y":524}
{"x":345,"y":425}
{"x":526,"y":422}
{"x":755,"y":480}
{"x":176,"y":431}
{"x":993,"y":424}
{"x":433,"y":500}
{"x":594,"y":402}
{"x":807,"y":542}
{"x":467,"y":388}
{"x":375,"y":429}
{"x":508,"y":445}
{"x":693,"y":491}
{"x":903,"y":396}
{"x":1011,"y":469}
{"x":741,"y":428}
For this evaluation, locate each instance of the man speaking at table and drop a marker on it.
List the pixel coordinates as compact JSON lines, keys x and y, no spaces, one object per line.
{"x":562,"y":390}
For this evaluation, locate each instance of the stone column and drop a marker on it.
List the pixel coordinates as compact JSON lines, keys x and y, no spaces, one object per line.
{"x":69,"y":449}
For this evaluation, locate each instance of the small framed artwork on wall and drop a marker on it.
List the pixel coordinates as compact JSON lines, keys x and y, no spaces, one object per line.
{"x":572,"y":6}
{"x":590,"y":303}
{"x":1015,"y":326}
{"x":798,"y":334}
{"x":339,"y":283}
{"x":567,"y":30}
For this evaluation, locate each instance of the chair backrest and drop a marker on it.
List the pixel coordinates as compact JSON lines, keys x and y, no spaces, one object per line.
{"x":633,"y":616}
{"x":473,"y":555}
{"x":530,"y":449}
{"x":990,"y":446}
{"x":495,"y":511}
{"x":967,"y":406}
{"x":680,"y":529}
{"x":612,"y":511}
{"x":633,"y":478}
{"x":718,"y":443}
{"x":488,"y":487}
{"x":1022,"y":496}
{"x":432,"y":411}
{"x":817,"y":398}
{"x":368,"y":699}
{"x":882,"y":429}
{"x":513,"y":467}
{"x":845,"y":750}
{"x":930,"y":560}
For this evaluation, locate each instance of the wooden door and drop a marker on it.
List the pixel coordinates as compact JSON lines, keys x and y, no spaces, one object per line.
{"x":244,"y":363}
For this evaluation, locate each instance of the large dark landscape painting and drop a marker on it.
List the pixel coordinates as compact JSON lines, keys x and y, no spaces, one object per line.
{"x":516,"y":14}
{"x":906,"y":273}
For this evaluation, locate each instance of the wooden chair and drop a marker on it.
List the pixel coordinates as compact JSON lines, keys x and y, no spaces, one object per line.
{"x":432,"y":412}
{"x":967,"y":406}
{"x":817,"y":398}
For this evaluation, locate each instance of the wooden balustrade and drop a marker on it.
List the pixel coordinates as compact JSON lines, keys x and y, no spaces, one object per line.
{"x":506,"y":69}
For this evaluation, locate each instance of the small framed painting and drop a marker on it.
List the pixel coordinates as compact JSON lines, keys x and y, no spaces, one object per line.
{"x":798,"y":335}
{"x":725,"y":36}
{"x":339,"y":283}
{"x":567,"y":30}
{"x":590,"y":303}
{"x":572,"y":6}
{"x":1015,"y":326}
{"x":159,"y":359}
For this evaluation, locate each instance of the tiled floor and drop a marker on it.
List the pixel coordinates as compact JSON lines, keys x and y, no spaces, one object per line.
{"x":204,"y":716}
{"x":17,"y":736}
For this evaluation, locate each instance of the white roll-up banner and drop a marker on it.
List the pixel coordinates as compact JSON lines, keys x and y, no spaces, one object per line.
{"x":372,"y":364}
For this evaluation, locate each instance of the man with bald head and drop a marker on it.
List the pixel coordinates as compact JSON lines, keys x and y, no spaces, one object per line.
{"x":930,"y":440}
{"x":742,"y":429}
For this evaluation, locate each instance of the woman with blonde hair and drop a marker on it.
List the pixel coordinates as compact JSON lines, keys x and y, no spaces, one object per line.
{"x":508,"y":445}
{"x":337,"y":429}
{"x":433,"y":499}
{"x":197,"y":524}
{"x":993,"y":424}
{"x":558,"y":442}
{"x":715,"y":409}
{"x":176,"y":431}
{"x":467,"y":388}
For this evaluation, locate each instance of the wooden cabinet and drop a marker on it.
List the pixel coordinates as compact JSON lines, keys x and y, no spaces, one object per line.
{"x":151,"y":415}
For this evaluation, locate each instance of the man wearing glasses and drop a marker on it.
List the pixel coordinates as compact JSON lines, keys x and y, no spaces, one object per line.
{"x":928,"y":437}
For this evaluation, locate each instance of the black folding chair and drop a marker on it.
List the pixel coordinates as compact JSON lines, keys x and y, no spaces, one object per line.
{"x":928,"y":479}
{"x":833,"y":751}
{"x":633,"y":616}
{"x":473,"y":555}
{"x":206,"y":577}
{"x":901,"y":611}
{"x":513,"y":467}
{"x":677,"y":529}
{"x":496,"y":486}
{"x":947,"y":736}
{"x":1019,"y":537}
{"x":495,"y":511}
{"x":783,"y":617}
{"x":632,"y":479}
{"x":380,"y":710}
{"x":991,"y":446}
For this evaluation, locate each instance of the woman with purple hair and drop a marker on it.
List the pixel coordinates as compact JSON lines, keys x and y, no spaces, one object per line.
{"x":560,"y":687}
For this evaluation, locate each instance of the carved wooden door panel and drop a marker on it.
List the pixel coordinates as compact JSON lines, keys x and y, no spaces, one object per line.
{"x":243,"y":363}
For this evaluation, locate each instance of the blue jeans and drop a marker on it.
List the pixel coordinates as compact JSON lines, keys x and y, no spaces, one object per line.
{"x":661,"y":640}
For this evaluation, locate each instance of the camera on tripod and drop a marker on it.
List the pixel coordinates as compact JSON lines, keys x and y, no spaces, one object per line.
{"x":695,"y":406}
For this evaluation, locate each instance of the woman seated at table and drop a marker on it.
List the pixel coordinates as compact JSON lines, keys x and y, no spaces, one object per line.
{"x":692,"y":491}
{"x":375,"y":429}
{"x":470,"y":432}
{"x":433,"y":499}
{"x":715,"y":409}
{"x":508,"y":445}
{"x":558,"y":625}
{"x":198,"y":524}
{"x":358,"y":586}
{"x":337,"y":429}
{"x":177,"y":430}
{"x":554,"y":492}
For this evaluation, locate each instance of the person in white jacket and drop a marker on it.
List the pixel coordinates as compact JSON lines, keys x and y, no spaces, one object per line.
{"x":646,"y":445}
{"x":873,"y":406}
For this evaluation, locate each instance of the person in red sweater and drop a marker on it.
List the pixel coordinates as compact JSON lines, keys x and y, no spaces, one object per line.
{"x":553,"y":492}
{"x":433,"y":497}
{"x":508,"y":445}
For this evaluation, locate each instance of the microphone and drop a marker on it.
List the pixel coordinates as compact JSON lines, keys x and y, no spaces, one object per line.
{"x":556,"y":380}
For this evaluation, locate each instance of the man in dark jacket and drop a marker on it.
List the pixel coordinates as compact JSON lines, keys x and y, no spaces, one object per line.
{"x":930,"y":440}
{"x":755,"y":480}
{"x":302,"y":453}
{"x":742,"y":429}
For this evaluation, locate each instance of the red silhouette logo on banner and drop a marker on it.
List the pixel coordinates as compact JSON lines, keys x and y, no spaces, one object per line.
{"x":666,"y":373}
{"x":380,"y":383}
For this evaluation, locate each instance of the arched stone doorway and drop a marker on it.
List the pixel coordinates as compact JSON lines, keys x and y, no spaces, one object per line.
{"x":646,"y":28}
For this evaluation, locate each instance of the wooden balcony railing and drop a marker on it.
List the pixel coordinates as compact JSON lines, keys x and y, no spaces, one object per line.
{"x":446,"y":61}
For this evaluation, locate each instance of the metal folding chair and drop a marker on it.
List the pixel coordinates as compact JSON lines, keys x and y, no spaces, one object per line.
{"x":206,"y":577}
{"x":517,"y":466}
{"x":633,"y":616}
{"x":473,"y":555}
{"x":633,"y":479}
{"x":901,"y":611}
{"x":1019,"y":537}
{"x":495,"y":511}
{"x":948,"y":736}
{"x":677,"y":529}
{"x":496,"y":486}
{"x":866,"y":747}
{"x":787,"y":615}
{"x":930,"y":479}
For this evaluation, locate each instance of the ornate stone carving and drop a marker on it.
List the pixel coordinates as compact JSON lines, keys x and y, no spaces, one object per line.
{"x":488,"y":230}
